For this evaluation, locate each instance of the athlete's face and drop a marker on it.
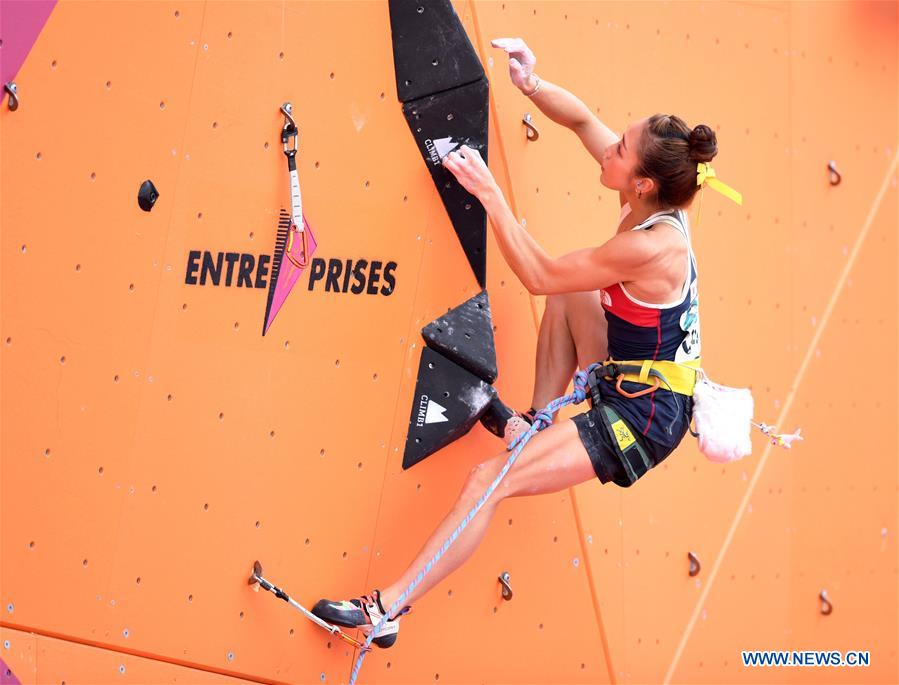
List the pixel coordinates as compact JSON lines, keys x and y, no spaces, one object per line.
{"x":620,"y":159}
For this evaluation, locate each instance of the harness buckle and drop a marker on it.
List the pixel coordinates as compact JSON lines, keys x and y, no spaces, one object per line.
{"x":610,"y":371}
{"x":593,"y":385}
{"x":613,"y":371}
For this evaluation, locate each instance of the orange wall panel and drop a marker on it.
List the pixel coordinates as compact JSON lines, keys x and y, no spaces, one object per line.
{"x":154,"y":443}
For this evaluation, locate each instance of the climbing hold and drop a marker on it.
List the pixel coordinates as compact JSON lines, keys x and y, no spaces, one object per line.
{"x":147,"y":195}
{"x":441,"y":123}
{"x":445,"y":96}
{"x":465,"y":335}
{"x":431,"y":49}
{"x":448,"y":401}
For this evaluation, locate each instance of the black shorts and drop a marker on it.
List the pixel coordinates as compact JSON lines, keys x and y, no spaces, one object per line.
{"x":608,"y":461}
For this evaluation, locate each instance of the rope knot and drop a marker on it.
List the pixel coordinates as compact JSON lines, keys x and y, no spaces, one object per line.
{"x":580,"y":386}
{"x":544,"y":416}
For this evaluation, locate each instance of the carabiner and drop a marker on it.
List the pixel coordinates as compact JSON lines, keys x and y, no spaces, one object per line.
{"x":289,"y":130}
{"x":293,"y":230}
{"x":639,"y":393}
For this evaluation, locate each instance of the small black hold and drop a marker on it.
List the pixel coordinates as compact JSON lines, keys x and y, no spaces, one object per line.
{"x":147,"y":195}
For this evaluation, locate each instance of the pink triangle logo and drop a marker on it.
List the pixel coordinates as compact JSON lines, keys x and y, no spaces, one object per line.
{"x":290,"y":260}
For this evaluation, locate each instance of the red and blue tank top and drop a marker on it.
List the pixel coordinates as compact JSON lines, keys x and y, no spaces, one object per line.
{"x":643,"y":330}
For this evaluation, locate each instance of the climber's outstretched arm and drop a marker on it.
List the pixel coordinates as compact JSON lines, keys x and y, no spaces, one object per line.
{"x":595,"y":135}
{"x":556,"y":103}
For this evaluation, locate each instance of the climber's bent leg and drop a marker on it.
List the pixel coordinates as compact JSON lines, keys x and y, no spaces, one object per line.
{"x":573,"y":334}
{"x":553,"y":459}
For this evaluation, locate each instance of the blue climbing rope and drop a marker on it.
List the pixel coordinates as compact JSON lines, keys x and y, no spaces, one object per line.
{"x":542,"y":420}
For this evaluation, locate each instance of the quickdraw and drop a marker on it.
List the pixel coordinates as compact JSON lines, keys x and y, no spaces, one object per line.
{"x":257,"y":581}
{"x":296,"y":228}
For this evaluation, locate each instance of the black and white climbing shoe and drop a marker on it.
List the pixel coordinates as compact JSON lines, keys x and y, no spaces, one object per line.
{"x":364,"y":613}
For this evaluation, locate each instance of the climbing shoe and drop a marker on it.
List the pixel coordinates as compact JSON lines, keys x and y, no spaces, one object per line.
{"x":506,"y":423}
{"x":364,"y":613}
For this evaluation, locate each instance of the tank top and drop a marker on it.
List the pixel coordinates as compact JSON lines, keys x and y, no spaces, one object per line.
{"x":643,"y":330}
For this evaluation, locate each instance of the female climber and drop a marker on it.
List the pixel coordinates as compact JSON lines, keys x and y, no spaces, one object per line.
{"x":633,"y":298}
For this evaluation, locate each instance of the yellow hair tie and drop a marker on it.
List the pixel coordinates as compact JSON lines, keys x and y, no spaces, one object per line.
{"x":705,"y":172}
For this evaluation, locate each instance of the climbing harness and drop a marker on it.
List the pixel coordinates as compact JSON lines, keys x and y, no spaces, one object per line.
{"x":678,"y":377}
{"x":296,"y":227}
{"x":257,"y":580}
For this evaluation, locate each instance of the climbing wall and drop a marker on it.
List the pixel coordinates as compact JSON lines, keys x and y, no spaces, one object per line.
{"x":155,"y":443}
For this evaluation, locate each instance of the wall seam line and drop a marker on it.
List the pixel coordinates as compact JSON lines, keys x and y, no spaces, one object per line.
{"x":513,"y":204}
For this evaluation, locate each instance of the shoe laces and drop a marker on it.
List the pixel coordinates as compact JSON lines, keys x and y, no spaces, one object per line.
{"x":372,"y":600}
{"x":369,"y":601}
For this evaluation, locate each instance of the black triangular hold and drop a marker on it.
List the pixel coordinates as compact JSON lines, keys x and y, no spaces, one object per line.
{"x":465,"y":335}
{"x":440,"y":124}
{"x":448,"y":401}
{"x":431,"y":50}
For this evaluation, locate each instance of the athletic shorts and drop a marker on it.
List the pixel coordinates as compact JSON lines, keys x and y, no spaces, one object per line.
{"x":622,"y":459}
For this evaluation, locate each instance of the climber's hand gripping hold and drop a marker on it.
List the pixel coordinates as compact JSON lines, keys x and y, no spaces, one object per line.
{"x":470,"y":170}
